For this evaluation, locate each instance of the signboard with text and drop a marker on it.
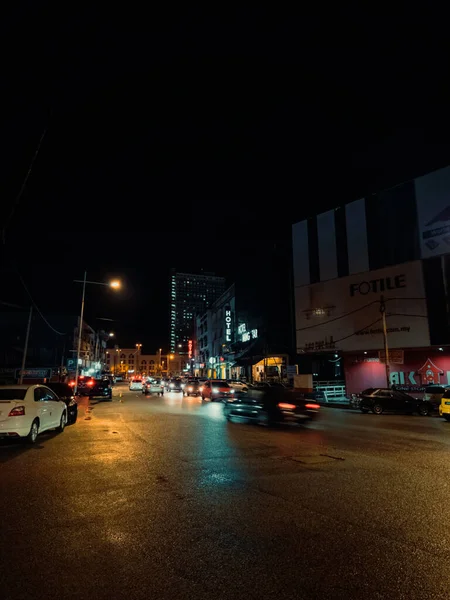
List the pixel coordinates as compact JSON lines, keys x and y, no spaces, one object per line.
{"x":344,"y":314}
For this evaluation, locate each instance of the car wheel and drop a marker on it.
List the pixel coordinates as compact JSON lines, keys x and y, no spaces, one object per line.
{"x":62,"y":423}
{"x":34,"y":431}
{"x":364,"y":410}
{"x":423,"y":410}
{"x":377,"y":409}
{"x":446,"y":417}
{"x":110,"y":396}
{"x":74,"y":418}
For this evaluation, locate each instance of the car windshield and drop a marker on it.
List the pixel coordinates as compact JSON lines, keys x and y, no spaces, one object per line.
{"x":12,"y":394}
{"x":137,"y":380}
{"x":61,"y":389}
{"x":434,"y":389}
{"x":223,"y":384}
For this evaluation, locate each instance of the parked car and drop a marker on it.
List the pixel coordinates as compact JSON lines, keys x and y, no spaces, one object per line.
{"x":119,"y":378}
{"x":238,"y":385}
{"x":379,"y":400}
{"x":154,"y":386}
{"x":65,"y":393}
{"x":444,"y":407}
{"x":270,"y":405}
{"x":136,"y":384}
{"x":434,"y":394}
{"x":193,"y":387}
{"x":216,"y":389}
{"x":175,"y":385}
{"x":95,"y":388}
{"x":27,"y":410}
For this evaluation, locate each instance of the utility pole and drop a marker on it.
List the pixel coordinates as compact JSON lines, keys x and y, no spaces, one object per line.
{"x":386,"y":350}
{"x":25,"y":348}
{"x":80,"y":329}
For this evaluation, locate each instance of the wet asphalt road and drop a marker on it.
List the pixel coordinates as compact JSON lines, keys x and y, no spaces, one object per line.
{"x":161,"y":498}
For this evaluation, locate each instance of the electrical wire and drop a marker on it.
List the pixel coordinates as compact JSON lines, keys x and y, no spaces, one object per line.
{"x":37,"y":307}
{"x":356,"y":332}
{"x":358,"y":309}
{"x":24,"y":183}
{"x":405,"y":315}
{"x":337,"y":318}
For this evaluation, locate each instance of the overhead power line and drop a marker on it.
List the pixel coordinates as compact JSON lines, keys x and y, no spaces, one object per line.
{"x":357,"y":310}
{"x":37,"y":307}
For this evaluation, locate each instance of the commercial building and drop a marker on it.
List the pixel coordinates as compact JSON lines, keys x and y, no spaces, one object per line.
{"x":52,"y":346}
{"x":234,"y":341}
{"x":384,"y":253}
{"x":190,"y":294}
{"x":130,"y":362}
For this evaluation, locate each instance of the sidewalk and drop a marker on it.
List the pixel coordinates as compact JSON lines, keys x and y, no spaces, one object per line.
{"x":342,"y":402}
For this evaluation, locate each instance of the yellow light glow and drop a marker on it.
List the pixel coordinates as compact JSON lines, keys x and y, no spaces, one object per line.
{"x":115,"y":284}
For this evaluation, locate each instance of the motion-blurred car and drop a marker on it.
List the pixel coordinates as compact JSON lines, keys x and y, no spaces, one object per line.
{"x":193,"y":387}
{"x":175,"y":385}
{"x":379,"y":400}
{"x":65,"y":393}
{"x":136,"y":385}
{"x":444,"y":407}
{"x":270,"y":405}
{"x":27,"y":410}
{"x":216,"y":389}
{"x":155,"y":386}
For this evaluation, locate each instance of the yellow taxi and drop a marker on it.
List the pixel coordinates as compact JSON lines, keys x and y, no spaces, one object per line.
{"x":444,"y":407}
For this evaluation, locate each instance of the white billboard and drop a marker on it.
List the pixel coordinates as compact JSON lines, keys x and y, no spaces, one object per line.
{"x":344,"y":314}
{"x":433,"y":212}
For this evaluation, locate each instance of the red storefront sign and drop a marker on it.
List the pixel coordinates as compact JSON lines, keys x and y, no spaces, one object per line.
{"x":190,"y":349}
{"x":420,"y":368}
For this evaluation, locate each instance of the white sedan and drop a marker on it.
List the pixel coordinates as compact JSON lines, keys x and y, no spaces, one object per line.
{"x":27,"y":410}
{"x":136,"y":384}
{"x":239,"y":386}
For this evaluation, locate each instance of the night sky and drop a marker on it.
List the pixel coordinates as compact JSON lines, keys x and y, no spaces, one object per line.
{"x":194,"y":141}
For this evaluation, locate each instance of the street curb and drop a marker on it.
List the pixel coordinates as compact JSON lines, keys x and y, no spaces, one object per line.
{"x":335,"y":404}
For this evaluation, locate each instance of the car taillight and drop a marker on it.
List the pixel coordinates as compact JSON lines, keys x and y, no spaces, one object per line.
{"x":18,"y":411}
{"x":90,"y":383}
{"x":312,"y":405}
{"x":72,"y":383}
{"x":286,"y":405}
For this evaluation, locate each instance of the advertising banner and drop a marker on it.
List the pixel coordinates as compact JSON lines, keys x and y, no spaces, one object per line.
{"x":433,"y":212}
{"x":344,"y":314}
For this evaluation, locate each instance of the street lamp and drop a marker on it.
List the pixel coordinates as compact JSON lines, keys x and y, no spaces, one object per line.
{"x":111,"y":334}
{"x":138,"y":370}
{"x":115,"y":285}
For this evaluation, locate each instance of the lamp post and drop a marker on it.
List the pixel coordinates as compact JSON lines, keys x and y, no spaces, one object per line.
{"x":115,"y":285}
{"x":138,"y":349}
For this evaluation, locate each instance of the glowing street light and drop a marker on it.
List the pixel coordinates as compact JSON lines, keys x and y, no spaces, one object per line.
{"x":115,"y":284}
{"x":111,"y":334}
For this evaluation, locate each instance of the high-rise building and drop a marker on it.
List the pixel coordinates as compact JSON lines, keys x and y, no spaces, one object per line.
{"x":190,"y":294}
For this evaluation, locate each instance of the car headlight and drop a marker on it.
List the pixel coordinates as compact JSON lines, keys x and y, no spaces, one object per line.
{"x":189,"y":389}
{"x":231,"y":391}
{"x":215,"y":391}
{"x":200,"y":389}
{"x":171,"y":385}
{"x":183,"y":385}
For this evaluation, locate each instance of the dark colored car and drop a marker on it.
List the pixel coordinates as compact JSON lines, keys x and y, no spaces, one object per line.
{"x":95,"y":388}
{"x":174,"y":385}
{"x":379,"y":400}
{"x":65,"y":393}
{"x":270,"y":405}
{"x":193,"y":387}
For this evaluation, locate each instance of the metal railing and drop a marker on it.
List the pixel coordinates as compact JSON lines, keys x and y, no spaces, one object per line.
{"x":332,"y":390}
